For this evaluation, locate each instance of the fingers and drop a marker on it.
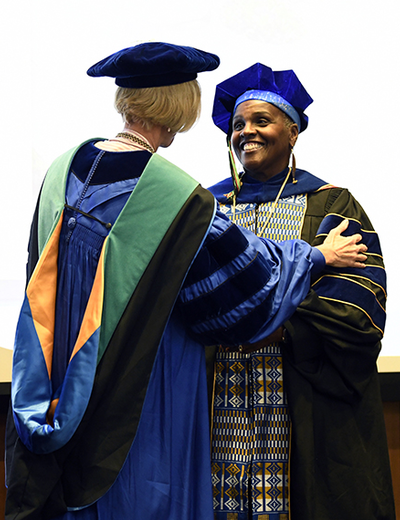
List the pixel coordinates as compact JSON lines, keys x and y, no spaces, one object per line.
{"x":352,"y":257}
{"x":357,"y":237}
{"x":338,"y":230}
{"x":359,"y":265}
{"x":353,"y":243}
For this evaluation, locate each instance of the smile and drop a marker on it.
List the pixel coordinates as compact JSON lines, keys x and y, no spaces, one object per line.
{"x":250,"y":147}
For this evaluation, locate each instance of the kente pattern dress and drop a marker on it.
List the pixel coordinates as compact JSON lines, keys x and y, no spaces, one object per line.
{"x":251,"y":421}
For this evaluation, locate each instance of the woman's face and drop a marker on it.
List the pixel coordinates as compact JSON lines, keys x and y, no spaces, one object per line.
{"x":261,"y":138}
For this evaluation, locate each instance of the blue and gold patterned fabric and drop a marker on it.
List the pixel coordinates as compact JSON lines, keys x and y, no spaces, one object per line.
{"x":251,"y":422}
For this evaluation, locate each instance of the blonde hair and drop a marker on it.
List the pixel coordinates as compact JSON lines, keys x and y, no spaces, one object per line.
{"x":174,"y":106}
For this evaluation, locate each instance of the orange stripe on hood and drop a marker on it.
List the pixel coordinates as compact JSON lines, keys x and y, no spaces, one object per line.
{"x":94,"y":309}
{"x":41,"y":293}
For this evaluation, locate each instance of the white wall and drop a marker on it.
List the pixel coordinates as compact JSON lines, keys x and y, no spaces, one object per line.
{"x":344,"y":52}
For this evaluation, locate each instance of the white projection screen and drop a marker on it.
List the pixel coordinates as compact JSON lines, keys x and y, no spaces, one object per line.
{"x":344,"y":52}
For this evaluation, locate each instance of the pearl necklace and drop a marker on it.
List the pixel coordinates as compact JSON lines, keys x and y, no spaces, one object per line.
{"x":136,"y":140}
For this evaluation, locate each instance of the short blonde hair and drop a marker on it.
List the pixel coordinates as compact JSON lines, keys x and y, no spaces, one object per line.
{"x":174,"y":106}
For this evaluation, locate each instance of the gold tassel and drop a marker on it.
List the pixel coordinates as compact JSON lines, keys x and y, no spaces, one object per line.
{"x":237,"y":183}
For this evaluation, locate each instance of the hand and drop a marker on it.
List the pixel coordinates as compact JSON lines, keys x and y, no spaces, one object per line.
{"x":340,"y":251}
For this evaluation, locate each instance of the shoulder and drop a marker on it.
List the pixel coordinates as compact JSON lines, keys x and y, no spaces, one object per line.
{"x":321,"y":201}
{"x":221,"y":189}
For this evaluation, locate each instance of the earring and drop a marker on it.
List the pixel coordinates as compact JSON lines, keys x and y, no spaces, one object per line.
{"x":168,"y":130}
{"x":293,"y":166}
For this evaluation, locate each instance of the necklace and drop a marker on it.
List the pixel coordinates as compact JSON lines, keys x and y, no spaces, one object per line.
{"x":136,"y":140}
{"x":272,"y":209}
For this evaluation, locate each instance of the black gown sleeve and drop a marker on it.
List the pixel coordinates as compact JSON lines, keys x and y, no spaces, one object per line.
{"x":335,"y":332}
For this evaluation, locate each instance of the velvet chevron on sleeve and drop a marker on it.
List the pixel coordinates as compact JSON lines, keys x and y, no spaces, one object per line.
{"x":241,"y":288}
{"x":345,"y":307}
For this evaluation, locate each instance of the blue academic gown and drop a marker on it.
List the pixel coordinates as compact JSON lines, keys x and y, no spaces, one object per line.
{"x":239,"y":289}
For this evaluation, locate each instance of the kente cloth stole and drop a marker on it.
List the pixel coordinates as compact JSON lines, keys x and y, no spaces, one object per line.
{"x":44,"y":424}
{"x":251,"y":423}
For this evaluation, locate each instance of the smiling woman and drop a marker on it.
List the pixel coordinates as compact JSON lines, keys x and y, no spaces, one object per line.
{"x":294,"y":392}
{"x":262,"y":138}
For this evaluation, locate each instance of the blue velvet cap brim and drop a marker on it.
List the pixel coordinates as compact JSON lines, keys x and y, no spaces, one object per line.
{"x":154,"y":64}
{"x":285,"y":83}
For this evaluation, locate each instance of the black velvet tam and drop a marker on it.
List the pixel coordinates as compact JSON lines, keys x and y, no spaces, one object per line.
{"x":154,"y":64}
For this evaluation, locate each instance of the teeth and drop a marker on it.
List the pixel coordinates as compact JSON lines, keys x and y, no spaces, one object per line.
{"x":251,"y":146}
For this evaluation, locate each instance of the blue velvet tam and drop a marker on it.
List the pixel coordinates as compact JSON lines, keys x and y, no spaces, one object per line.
{"x":281,"y":88}
{"x":154,"y":64}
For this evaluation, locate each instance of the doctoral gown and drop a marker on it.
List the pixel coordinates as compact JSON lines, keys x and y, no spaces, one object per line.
{"x":338,"y":457}
{"x":130,"y":273}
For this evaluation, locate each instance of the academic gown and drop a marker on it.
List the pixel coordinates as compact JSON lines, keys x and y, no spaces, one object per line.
{"x":339,"y":463}
{"x":113,"y":422}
